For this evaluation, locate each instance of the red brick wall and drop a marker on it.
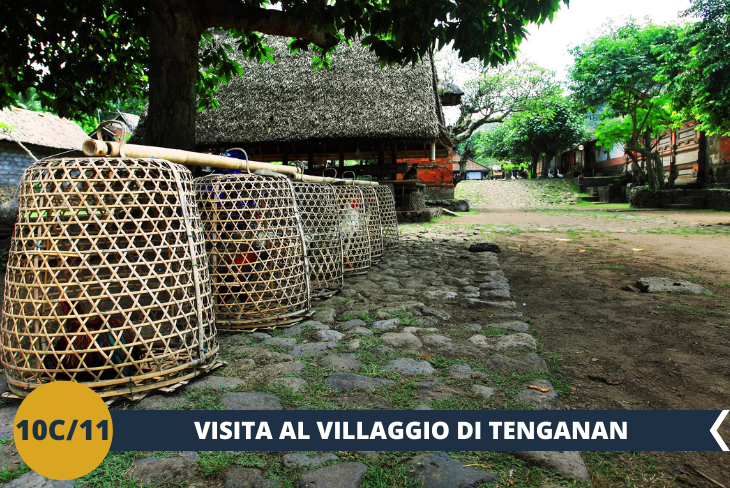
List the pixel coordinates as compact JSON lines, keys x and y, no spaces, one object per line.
{"x":720,"y":159}
{"x":437,"y":175}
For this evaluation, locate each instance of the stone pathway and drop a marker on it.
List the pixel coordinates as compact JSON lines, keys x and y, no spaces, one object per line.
{"x":516,"y":193}
{"x":433,"y":326}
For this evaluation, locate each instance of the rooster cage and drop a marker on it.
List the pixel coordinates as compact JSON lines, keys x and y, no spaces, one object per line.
{"x":354,"y":230}
{"x":255,"y":245}
{"x":386,"y":203}
{"x":375,"y":226}
{"x":319,"y":210}
{"x":107,"y":278}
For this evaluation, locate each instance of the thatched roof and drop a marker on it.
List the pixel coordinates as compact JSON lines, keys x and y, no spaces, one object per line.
{"x":42,"y":129}
{"x":474,"y":166}
{"x":449,"y":93}
{"x":288,"y":101}
{"x":131,"y":120}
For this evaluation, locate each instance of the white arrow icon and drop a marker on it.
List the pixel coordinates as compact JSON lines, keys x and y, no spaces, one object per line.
{"x":716,"y":426}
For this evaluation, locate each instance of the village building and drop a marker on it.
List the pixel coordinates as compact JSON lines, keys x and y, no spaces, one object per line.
{"x":696,"y":160}
{"x":355,"y":116}
{"x":473,"y":170}
{"x":43,"y":134}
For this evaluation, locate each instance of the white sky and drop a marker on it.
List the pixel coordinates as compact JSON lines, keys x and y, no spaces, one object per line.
{"x":548,"y":44}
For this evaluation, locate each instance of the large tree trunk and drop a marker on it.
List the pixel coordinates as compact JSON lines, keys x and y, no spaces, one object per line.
{"x":533,"y":167}
{"x":174,"y":42}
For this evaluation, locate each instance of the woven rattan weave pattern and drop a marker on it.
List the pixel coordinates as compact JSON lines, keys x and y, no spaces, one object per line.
{"x":320,"y":212}
{"x":375,"y":226}
{"x":256,"y":250}
{"x":354,"y":230}
{"x":107,"y":279}
{"x":386,"y":202}
{"x":417,"y":202}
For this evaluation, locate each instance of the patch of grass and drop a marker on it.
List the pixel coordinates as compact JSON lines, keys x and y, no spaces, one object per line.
{"x":111,"y":473}
{"x":697,"y":311}
{"x":344,"y":300}
{"x":400,"y":314}
{"x":213,"y":463}
{"x":627,"y":470}
{"x":203,"y":399}
{"x":367,"y":318}
{"x":687,"y":231}
{"x":7,"y":475}
{"x":372,"y":370}
{"x":410,"y":322}
{"x":609,"y":266}
{"x":402,"y":395}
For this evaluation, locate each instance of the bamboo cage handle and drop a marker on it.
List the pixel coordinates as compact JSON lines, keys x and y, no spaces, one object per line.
{"x":245,"y":154}
{"x":325,"y":171}
{"x":344,"y":178}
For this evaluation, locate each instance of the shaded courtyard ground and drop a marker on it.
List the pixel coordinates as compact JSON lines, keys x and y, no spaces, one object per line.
{"x":622,"y":349}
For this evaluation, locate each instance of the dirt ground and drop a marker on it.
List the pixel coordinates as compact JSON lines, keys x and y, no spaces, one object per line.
{"x":628,"y":350}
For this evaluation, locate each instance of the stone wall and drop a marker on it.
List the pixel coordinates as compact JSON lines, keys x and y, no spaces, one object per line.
{"x":14,"y":161}
{"x":412,"y":217}
{"x":641,"y":197}
{"x":719,"y":159}
{"x":718,"y":199}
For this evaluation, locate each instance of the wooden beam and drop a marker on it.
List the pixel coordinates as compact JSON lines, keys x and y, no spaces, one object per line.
{"x":381,"y":153}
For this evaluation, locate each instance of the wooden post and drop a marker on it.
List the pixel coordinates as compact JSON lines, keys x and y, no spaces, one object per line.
{"x":393,"y":152}
{"x":342,"y":155}
{"x":381,"y":154}
{"x":285,"y":155}
{"x":310,"y":158}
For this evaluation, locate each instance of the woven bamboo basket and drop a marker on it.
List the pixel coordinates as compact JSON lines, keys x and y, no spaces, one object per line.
{"x":417,"y":202}
{"x":386,"y":203}
{"x":256,"y":249}
{"x":320,"y":213}
{"x":375,"y":225}
{"x":354,"y":230}
{"x":107,"y":279}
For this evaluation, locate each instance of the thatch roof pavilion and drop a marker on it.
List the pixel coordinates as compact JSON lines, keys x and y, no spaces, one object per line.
{"x":43,"y":130}
{"x":288,"y":111}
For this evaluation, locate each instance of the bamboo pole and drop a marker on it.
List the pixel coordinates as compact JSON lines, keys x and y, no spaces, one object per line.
{"x":94,"y":147}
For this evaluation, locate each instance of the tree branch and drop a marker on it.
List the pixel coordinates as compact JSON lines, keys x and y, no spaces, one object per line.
{"x":464,"y":133}
{"x":230,"y":14}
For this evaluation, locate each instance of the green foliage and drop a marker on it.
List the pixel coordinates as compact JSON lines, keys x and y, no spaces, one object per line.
{"x":79,"y":55}
{"x":495,"y":94}
{"x":697,"y":70}
{"x":616,"y":74}
{"x":550,"y":127}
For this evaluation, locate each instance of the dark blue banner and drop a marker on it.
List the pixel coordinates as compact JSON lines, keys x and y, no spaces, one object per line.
{"x":405,"y":430}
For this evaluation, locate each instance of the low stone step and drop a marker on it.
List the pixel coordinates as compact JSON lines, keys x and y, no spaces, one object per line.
{"x":692,"y":201}
{"x":593,"y":198}
{"x":678,"y":206}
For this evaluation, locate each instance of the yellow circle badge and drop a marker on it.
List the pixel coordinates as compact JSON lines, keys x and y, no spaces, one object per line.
{"x":63,"y":430}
